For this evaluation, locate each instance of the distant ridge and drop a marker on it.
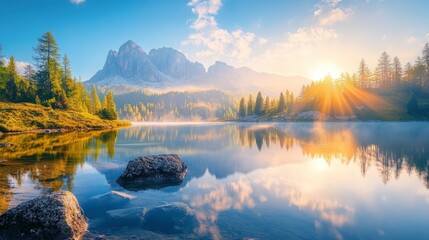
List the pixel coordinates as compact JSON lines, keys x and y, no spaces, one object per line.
{"x":165,"y":68}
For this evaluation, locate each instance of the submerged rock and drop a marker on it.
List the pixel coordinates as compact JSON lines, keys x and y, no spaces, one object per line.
{"x":153,"y":171}
{"x":56,"y":216}
{"x":99,"y":205}
{"x":170,"y":218}
{"x":129,"y":217}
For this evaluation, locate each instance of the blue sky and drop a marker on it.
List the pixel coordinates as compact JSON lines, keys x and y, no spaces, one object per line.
{"x":306,"y":37}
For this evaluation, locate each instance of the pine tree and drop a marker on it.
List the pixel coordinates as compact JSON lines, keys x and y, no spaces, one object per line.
{"x":46,"y":51}
{"x":111,"y":102}
{"x":364,"y":75}
{"x":267,"y":107}
{"x":67,"y":81}
{"x":95,"y":101}
{"x":109,"y":108}
{"x":292,"y":99}
{"x":3,"y":78}
{"x":287,"y":97}
{"x":397,"y":70}
{"x":419,"y":71}
{"x":259,"y":105}
{"x":408,"y":72}
{"x":29,"y":73}
{"x":383,"y":71}
{"x":49,"y":74}
{"x":282,"y":103}
{"x":105,"y":102}
{"x":274,"y":104}
{"x":12,"y":89}
{"x":242,"y":107}
{"x":250,"y":105}
{"x":425,"y":60}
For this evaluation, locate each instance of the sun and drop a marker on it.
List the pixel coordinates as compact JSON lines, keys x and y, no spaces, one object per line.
{"x":319,"y":164}
{"x":323,"y":69}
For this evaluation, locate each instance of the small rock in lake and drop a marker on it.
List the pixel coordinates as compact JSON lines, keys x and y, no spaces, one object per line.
{"x":56,"y":216}
{"x":153,"y":171}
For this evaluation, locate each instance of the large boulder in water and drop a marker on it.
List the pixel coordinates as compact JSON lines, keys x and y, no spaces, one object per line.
{"x":153,"y":171}
{"x":172,"y":218}
{"x":56,"y":216}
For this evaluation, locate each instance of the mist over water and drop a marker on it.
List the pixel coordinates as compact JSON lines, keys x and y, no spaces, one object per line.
{"x":261,"y":181}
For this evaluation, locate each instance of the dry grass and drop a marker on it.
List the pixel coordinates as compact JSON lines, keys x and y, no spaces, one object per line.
{"x":27,"y":117}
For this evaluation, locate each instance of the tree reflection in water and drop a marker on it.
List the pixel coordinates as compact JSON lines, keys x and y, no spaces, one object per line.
{"x":390,"y":147}
{"x":48,"y":160}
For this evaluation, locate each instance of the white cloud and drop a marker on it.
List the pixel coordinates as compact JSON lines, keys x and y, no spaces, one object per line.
{"x":213,"y":41}
{"x":20,"y":66}
{"x":317,"y":12}
{"x":328,"y":12}
{"x":427,"y":36}
{"x":77,"y":1}
{"x":206,"y":11}
{"x":335,"y":15}
{"x":310,"y":35}
{"x":262,"y":41}
{"x":333,"y":3}
{"x":411,"y":40}
{"x":384,"y":37}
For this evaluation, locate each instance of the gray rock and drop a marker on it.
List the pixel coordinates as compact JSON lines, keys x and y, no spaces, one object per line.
{"x":56,"y":216}
{"x":170,"y":218}
{"x":129,"y":217}
{"x":5,"y":144}
{"x":130,"y":65}
{"x":153,"y":171}
{"x":99,"y":205}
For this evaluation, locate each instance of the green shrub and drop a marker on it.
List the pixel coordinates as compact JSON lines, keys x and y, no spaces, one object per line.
{"x":107,"y":114}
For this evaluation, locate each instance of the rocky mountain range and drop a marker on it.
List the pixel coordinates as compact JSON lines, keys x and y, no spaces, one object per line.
{"x":165,"y":68}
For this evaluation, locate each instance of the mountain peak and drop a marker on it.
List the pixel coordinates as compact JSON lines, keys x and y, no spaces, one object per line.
{"x":174,"y":63}
{"x":168,"y":67}
{"x":112,"y":53}
{"x":129,"y":46}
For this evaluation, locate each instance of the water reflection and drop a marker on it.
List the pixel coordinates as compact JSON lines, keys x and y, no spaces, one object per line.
{"x":48,"y":160}
{"x":390,"y":147}
{"x":244,"y":180}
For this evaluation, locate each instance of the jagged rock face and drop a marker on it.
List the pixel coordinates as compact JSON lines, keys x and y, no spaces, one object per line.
{"x":167,"y":67}
{"x":153,"y":171}
{"x":129,"y":65}
{"x":175,"y":64}
{"x":56,"y":216}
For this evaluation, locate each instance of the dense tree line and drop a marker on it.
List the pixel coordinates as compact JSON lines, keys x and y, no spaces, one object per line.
{"x":144,"y":105}
{"x":51,"y":83}
{"x":409,"y":84}
{"x":266,"y":106}
{"x":390,"y":72}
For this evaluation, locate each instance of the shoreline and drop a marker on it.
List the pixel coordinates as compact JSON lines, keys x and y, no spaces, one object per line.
{"x":61,"y":130}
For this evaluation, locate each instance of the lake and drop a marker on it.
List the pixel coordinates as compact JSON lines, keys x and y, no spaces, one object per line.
{"x":244,"y":181}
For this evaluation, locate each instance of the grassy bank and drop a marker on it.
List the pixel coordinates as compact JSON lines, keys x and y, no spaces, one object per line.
{"x":30,"y":117}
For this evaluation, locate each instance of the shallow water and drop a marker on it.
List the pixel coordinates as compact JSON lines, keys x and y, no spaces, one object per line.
{"x":245,"y":181}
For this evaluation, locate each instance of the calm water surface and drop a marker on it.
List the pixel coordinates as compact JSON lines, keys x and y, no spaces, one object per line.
{"x":245,"y":181}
